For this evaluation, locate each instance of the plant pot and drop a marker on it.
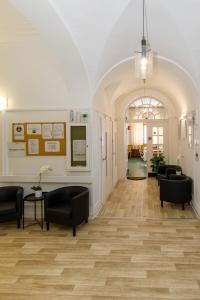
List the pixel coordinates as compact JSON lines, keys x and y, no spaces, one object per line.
{"x":38,"y":193}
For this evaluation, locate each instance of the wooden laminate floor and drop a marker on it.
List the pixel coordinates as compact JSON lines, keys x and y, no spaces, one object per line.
{"x":120,"y":258}
{"x":140,"y":198}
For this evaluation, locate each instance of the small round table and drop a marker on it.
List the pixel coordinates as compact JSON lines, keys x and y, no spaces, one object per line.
{"x":32,"y":198}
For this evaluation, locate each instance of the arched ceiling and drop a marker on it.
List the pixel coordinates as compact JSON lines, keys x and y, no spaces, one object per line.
{"x":168,"y":78}
{"x":53,"y":29}
{"x":92,"y":36}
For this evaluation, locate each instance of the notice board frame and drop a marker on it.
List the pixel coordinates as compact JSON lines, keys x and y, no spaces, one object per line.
{"x":41,"y":141}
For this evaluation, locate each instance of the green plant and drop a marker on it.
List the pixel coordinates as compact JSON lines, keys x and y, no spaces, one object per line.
{"x":157,"y":160}
{"x":36,"y":188}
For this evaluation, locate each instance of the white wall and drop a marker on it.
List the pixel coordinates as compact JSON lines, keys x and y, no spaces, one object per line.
{"x":190,"y":163}
{"x":23,"y":170}
{"x":104,"y":168}
{"x":30,"y":77}
{"x":196,"y":167}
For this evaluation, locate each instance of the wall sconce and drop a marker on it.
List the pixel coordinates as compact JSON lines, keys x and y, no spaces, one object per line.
{"x":3,"y":103}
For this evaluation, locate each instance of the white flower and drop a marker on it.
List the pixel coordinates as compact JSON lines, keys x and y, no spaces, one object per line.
{"x":44,"y":169}
{"x":179,"y":157}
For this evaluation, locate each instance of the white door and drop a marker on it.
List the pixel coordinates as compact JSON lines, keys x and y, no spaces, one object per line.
{"x":114,"y":152}
{"x":157,"y":140}
{"x":103,"y":157}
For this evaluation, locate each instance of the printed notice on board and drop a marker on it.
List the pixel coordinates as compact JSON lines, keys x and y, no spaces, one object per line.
{"x":52,"y":146}
{"x":19,"y":132}
{"x":47,"y":131}
{"x":34,"y":129}
{"x":16,"y":149}
{"x":79,"y":150}
{"x":33,"y":146}
{"x":58,"y":131}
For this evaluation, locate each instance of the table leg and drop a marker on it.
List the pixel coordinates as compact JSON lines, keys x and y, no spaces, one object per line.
{"x":41,"y":214}
{"x":23,"y":214}
{"x":35,"y":210}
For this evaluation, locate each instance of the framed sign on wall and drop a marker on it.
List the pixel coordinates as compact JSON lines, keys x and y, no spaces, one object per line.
{"x":78,"y":158}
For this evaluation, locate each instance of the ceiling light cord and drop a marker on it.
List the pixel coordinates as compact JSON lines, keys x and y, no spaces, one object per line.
{"x":146,"y":22}
{"x":143,"y":19}
{"x":143,"y":60}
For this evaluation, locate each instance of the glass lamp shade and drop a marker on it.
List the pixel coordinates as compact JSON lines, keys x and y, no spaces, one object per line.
{"x":143,"y":64}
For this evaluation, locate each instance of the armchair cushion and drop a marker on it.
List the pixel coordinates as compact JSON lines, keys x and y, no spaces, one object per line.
{"x":7,"y":208}
{"x":162,"y":169}
{"x":177,"y":177}
{"x":11,"y":198}
{"x":165,"y":171}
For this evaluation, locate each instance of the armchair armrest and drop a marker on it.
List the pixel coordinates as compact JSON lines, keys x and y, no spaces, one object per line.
{"x":19,"y":197}
{"x":80,"y":206}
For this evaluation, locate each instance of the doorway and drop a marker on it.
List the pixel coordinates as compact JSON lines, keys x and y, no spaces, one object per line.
{"x":137,"y":149}
{"x":146,"y":134}
{"x":144,"y":139}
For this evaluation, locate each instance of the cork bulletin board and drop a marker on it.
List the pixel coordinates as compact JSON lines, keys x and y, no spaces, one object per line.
{"x":42,"y":139}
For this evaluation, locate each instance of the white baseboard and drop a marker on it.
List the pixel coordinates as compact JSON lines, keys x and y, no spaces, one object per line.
{"x":196,"y":208}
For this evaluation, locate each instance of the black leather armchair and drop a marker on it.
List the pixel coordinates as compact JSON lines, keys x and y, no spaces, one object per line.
{"x":67,"y":205}
{"x":166,"y":170}
{"x":162,"y":168}
{"x":11,"y":199}
{"x":176,"y":189}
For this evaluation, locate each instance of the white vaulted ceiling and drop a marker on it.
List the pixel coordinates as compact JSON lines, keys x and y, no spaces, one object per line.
{"x":91,"y":37}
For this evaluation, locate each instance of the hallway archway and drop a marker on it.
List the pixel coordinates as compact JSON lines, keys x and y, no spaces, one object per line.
{"x":171,"y":85}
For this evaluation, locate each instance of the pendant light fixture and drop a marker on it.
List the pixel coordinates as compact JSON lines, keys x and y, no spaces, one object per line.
{"x":144,"y":58}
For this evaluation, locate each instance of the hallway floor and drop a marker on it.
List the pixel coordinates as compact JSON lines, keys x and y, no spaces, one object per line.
{"x":118,"y":257}
{"x":140,"y":199}
{"x":136,"y":167}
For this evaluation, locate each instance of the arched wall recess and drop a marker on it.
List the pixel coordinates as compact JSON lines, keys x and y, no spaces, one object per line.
{"x":43,"y":16}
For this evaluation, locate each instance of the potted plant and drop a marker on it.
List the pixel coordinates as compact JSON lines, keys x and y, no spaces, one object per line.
{"x":157,"y":160}
{"x":38,"y":188}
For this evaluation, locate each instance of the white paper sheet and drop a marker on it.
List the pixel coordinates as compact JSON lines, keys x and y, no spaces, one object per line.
{"x":33,"y":146}
{"x":58,"y":131}
{"x":19,"y":132}
{"x":52,"y":146}
{"x":16,"y":149}
{"x":47,"y":131}
{"x":79,"y":150}
{"x":34,"y":129}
